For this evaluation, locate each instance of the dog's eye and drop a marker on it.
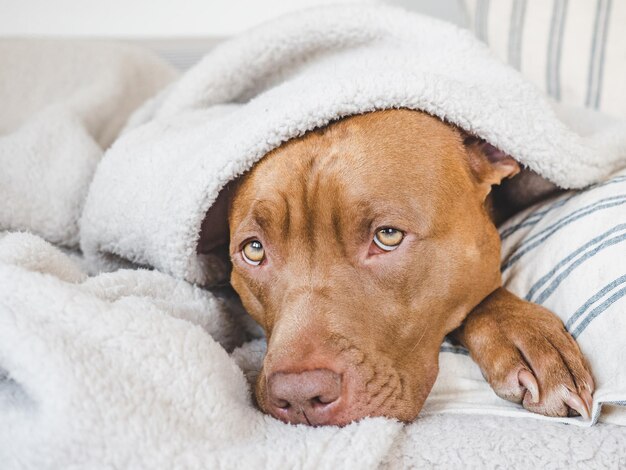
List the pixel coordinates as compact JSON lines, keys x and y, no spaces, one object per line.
{"x":388,"y":238}
{"x":253,"y":252}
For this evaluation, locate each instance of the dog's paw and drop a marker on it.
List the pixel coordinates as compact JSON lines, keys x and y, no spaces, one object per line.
{"x":528,"y":357}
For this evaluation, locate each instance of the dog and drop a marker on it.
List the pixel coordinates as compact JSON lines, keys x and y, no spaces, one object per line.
{"x":359,"y":246}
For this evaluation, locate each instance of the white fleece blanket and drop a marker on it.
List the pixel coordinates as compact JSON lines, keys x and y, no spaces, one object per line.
{"x":131,"y":368}
{"x":62,"y":103}
{"x":124,"y":370}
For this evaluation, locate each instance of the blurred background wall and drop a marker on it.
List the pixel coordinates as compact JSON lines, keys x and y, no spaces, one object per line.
{"x":574,"y":50}
{"x":169,"y":18}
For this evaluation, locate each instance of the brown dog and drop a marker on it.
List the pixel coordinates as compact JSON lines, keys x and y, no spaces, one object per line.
{"x":359,"y":246}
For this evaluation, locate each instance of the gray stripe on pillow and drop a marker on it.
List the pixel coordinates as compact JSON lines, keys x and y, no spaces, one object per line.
{"x":537,"y":239}
{"x":595,"y":241}
{"x":597,"y":311}
{"x":555,"y":46}
{"x":516,"y":29}
{"x":593,"y":299}
{"x":598,"y":47}
{"x":535,"y":217}
{"x":454,"y":349}
{"x":541,"y":298}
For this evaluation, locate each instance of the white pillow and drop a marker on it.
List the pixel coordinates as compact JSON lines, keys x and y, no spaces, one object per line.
{"x":569,"y":255}
{"x":573,"y":50}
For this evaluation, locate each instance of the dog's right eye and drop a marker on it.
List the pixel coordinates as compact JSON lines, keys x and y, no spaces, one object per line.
{"x":253,"y":252}
{"x":388,"y":238}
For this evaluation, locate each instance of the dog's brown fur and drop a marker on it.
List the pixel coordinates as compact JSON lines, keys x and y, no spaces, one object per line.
{"x":330,"y":300}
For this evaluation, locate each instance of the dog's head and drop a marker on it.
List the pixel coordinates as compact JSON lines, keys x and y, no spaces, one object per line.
{"x":358,"y":247}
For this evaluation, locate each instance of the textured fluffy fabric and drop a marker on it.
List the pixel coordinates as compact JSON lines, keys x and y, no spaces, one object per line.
{"x":130,"y":370}
{"x":136,"y":368}
{"x":293,"y":75}
{"x":494,"y":443}
{"x":63,"y":104}
{"x":101,"y":83}
{"x":124,"y":370}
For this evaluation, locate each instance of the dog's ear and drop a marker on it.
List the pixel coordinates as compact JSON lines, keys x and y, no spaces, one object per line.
{"x":488,"y":164}
{"x":214,"y":231}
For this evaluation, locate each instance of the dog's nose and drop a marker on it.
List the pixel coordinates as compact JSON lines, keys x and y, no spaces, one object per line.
{"x":310,"y":397}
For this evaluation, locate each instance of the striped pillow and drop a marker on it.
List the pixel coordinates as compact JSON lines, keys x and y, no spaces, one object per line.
{"x":574,"y":50}
{"x":568,"y":254}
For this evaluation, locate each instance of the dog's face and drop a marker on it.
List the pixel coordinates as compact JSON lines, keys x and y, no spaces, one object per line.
{"x":357,"y":248}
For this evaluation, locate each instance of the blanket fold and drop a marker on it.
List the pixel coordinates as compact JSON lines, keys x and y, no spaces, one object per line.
{"x":130,"y":370}
{"x":63,"y":104}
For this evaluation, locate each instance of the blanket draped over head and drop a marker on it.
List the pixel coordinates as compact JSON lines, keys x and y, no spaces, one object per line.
{"x":129,"y":367}
{"x":296,"y":74}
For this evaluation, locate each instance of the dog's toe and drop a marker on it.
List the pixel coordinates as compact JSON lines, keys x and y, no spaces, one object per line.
{"x":528,"y":357}
{"x":563,"y":378}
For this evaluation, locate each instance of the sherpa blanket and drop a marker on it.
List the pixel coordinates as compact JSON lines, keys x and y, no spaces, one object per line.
{"x":63,"y":103}
{"x":120,"y":356}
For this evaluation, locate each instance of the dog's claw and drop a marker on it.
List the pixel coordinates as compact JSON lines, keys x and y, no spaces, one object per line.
{"x":578,"y":404}
{"x":587,"y":398}
{"x":528,"y":381}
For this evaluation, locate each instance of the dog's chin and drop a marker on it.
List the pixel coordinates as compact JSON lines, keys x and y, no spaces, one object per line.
{"x":345,"y":419}
{"x":346,"y":415}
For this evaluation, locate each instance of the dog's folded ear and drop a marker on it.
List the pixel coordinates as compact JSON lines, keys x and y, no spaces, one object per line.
{"x":214,"y":232}
{"x":488,"y":164}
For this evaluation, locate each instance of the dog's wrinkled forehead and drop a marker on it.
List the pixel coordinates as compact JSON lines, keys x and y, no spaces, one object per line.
{"x":369,"y":166}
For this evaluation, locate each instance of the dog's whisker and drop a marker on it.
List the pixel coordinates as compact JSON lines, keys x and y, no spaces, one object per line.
{"x":419,"y":341}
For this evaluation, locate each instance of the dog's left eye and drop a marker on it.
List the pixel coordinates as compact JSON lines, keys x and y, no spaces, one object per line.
{"x":388,"y":238}
{"x":253,"y":252}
